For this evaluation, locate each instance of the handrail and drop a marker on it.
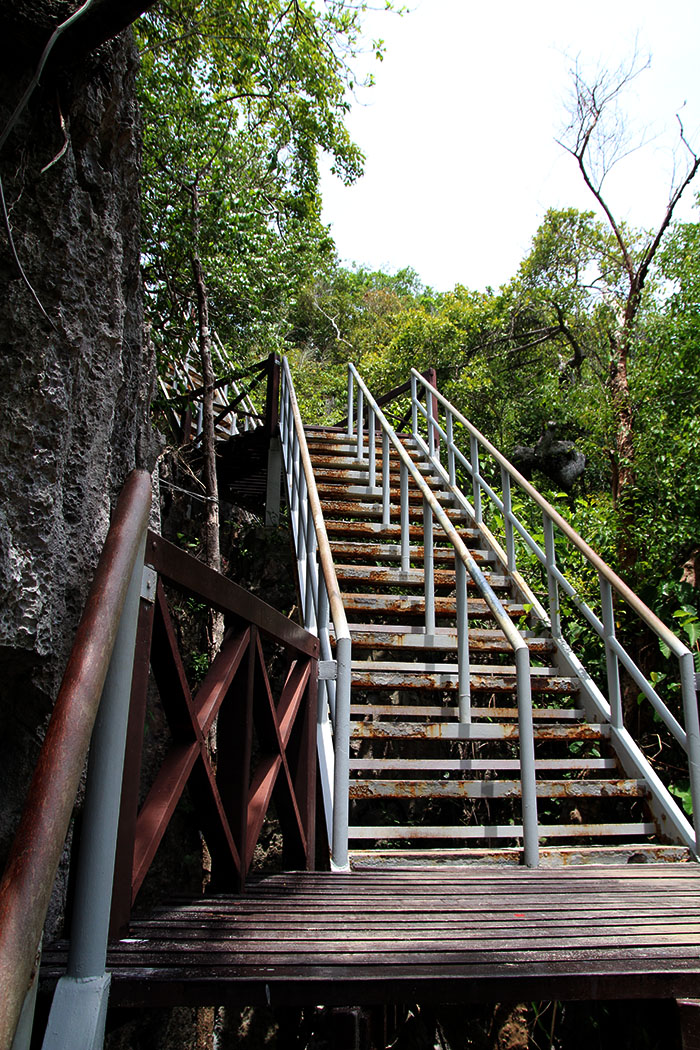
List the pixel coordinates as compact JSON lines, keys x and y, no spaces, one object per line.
{"x":321,"y":601}
{"x":520,"y":648}
{"x":604,"y":626}
{"x":623,"y":589}
{"x":26,"y":886}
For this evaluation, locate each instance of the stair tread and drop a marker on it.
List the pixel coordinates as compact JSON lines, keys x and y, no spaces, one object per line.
{"x":474,"y":731}
{"x":496,"y":831}
{"x":392,"y":552}
{"x":474,"y":764}
{"x":569,"y":714}
{"x":497,"y":789}
{"x":411,"y":577}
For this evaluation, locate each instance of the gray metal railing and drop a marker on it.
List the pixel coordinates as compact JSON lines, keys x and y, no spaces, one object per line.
{"x":321,"y":607}
{"x":434,"y":426}
{"x":365,"y":404}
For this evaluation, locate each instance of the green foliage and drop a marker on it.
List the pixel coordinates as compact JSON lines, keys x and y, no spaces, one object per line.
{"x":238,"y":100}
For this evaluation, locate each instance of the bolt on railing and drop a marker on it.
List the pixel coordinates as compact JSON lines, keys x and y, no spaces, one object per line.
{"x":611,"y":587}
{"x":464,"y":563}
{"x":321,"y":606}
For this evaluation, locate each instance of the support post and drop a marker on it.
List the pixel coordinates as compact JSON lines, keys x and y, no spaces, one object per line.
{"x":528,"y":787}
{"x":428,"y":568}
{"x":464,"y":684}
{"x":79,"y":1007}
{"x":611,"y":662}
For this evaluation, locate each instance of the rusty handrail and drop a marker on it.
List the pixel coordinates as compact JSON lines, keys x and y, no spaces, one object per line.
{"x":29,"y":876}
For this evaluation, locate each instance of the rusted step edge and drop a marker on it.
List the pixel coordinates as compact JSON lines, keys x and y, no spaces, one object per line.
{"x":570,"y":857}
{"x":501,"y":831}
{"x":392,"y":552}
{"x":473,"y":731}
{"x":414,"y":605}
{"x":362,"y":509}
{"x":374,"y":495}
{"x":468,"y":765}
{"x":496,"y":789}
{"x":401,"y":636}
{"x":410,"y":578}
{"x":375,"y":528}
{"x":563,"y":714}
{"x":479,"y":683}
{"x":417,"y":667}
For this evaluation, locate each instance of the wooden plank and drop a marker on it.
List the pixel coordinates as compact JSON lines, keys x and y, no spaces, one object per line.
{"x":473,"y":731}
{"x":501,"y":764}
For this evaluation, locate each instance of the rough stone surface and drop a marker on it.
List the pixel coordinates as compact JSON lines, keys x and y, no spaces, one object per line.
{"x":74,"y":391}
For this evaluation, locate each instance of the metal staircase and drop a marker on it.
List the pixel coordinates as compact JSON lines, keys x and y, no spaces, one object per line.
{"x":472,"y":730}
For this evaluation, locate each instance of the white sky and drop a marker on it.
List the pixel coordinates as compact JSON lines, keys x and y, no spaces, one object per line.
{"x":459,"y":129}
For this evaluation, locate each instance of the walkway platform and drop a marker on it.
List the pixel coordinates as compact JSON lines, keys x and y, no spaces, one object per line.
{"x":443,"y":936}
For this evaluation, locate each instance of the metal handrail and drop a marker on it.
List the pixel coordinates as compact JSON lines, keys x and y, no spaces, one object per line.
{"x":321,"y":604}
{"x":29,"y":876}
{"x":464,"y":558}
{"x":609,"y":581}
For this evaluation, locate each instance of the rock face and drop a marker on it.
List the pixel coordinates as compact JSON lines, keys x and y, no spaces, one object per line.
{"x":556,"y":459}
{"x":75,"y":388}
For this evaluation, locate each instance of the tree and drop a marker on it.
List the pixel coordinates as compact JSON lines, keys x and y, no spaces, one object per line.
{"x":596,"y":140}
{"x":238,"y":99}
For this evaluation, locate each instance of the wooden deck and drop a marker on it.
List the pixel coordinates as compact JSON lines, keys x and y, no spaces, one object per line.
{"x":452,"y":935}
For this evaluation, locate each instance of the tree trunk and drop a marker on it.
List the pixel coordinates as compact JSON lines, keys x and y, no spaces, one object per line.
{"x":212,"y":544}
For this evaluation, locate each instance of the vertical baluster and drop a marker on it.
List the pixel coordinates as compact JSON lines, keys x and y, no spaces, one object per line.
{"x":414,"y":406}
{"x":386,"y":480}
{"x":449,"y":430}
{"x":429,"y":405}
{"x":405,"y":521}
{"x":611,"y":662}
{"x":552,"y":585}
{"x":351,"y":402}
{"x":476,"y":479}
{"x":372,"y":479}
{"x":528,"y":785}
{"x":341,"y":742}
{"x":360,"y":424}
{"x":310,"y":611}
{"x":428,"y":568}
{"x":326,"y":696}
{"x":464,"y":684}
{"x":508,"y":518}
{"x":692,"y":728}
{"x":301,"y":533}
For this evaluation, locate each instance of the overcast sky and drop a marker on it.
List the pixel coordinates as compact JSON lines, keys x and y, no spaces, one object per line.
{"x":459,"y":130}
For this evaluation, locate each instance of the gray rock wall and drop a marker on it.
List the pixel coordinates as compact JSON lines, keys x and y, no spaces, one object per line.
{"x":73,"y":392}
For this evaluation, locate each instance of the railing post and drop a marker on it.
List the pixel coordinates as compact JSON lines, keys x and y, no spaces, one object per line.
{"x":386,"y":481}
{"x":692,"y":729}
{"x":528,"y":785}
{"x":552,"y":585}
{"x":371,"y":449}
{"x":611,"y":661}
{"x":351,"y":401}
{"x":462,"y":612}
{"x":449,"y":430}
{"x":414,"y":406}
{"x":428,"y":568}
{"x":79,"y":1007}
{"x":341,"y":739}
{"x":476,"y":479}
{"x":507,"y":519}
{"x":311,"y":622}
{"x":360,"y":424}
{"x":405,"y":524}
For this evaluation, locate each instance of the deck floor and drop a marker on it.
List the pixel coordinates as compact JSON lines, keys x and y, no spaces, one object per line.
{"x":450,"y":935}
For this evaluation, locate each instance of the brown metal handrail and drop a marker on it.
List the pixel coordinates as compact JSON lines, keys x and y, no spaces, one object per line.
{"x":26,"y":886}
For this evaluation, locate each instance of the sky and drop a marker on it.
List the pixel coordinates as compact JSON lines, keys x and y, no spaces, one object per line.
{"x":460,"y":129}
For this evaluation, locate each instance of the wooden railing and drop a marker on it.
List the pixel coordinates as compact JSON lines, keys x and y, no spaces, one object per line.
{"x":231,"y":800}
{"x":265,"y":751}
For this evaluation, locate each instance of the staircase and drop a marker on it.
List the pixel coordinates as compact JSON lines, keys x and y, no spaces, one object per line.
{"x":438,"y":771}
